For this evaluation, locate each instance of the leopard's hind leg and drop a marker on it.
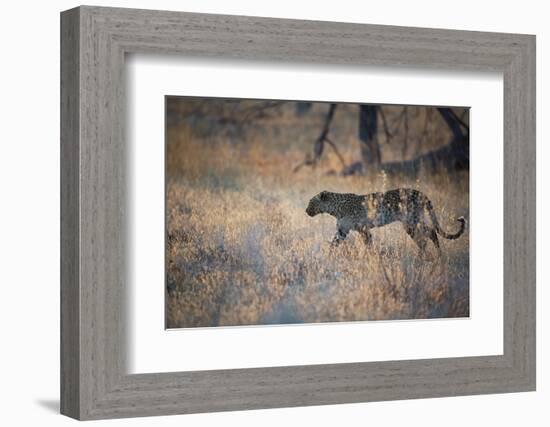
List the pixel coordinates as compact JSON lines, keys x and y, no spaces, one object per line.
{"x":432,"y":234}
{"x":419,"y":237}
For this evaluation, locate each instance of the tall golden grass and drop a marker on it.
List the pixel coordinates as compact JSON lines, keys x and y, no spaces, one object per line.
{"x":241,"y":250}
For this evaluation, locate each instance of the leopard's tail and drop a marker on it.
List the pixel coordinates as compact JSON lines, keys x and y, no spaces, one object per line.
{"x":438,"y":228}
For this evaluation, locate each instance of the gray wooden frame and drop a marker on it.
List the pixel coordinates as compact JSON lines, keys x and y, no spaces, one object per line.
{"x":94,"y":41}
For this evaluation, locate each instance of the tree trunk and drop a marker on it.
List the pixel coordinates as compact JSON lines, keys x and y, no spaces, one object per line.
{"x":459,"y":146}
{"x":368,"y":135}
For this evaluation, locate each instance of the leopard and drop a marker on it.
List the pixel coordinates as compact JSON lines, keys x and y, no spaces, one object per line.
{"x":364,"y":212}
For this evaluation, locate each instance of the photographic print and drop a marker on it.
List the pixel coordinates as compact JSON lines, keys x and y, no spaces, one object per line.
{"x":295,"y":212}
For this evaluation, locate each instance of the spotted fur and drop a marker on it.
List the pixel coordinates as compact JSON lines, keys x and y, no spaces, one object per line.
{"x":363,"y":212}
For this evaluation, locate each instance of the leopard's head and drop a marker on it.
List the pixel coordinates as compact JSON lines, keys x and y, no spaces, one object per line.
{"x":319,"y":203}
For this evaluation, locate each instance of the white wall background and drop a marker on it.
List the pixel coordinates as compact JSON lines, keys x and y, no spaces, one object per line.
{"x":29,"y":212}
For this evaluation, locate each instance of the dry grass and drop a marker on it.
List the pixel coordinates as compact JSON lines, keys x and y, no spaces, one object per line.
{"x":241,"y":250}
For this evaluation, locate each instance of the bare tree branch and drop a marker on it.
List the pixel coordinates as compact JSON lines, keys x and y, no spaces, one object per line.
{"x":427,"y":122}
{"x":459,"y":120}
{"x":397,"y":121}
{"x":306,"y":162}
{"x":319,"y":145}
{"x":385,"y":124}
{"x":333,"y":145}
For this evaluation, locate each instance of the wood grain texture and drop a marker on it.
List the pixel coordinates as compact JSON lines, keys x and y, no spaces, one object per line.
{"x":94,"y":195}
{"x":70,"y":292}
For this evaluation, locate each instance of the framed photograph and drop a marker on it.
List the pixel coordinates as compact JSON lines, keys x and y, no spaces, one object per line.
{"x":261,"y":213}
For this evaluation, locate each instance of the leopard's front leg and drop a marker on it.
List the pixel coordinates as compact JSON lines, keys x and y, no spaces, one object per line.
{"x":365,"y":234}
{"x":339,"y":237}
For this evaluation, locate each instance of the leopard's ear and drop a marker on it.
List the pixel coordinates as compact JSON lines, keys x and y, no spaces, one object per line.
{"x":323,"y":195}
